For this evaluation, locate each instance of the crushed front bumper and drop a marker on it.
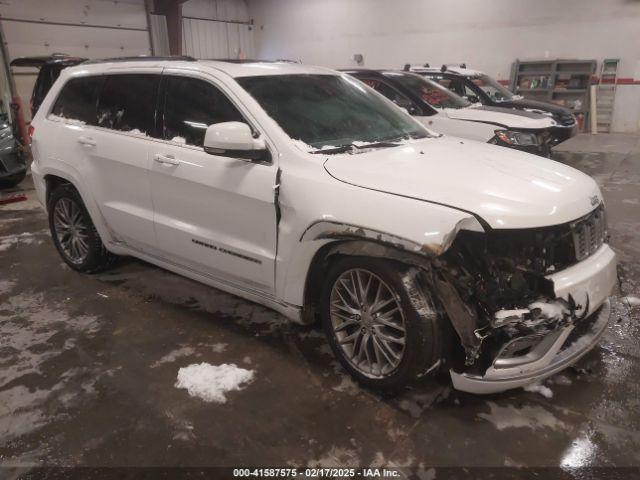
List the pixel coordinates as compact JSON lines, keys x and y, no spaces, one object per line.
{"x":527,"y":360}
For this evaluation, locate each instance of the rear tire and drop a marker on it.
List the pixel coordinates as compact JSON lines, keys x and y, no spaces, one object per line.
{"x":380,"y":322}
{"x":74,"y":234}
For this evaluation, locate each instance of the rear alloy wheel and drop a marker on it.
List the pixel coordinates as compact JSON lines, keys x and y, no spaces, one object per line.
{"x":71,"y":231}
{"x":74,"y":234}
{"x":380,"y":322}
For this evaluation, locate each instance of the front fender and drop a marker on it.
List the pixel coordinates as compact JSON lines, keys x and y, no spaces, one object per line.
{"x":350,"y":239}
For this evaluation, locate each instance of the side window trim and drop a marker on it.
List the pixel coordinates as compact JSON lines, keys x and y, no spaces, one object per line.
{"x":161,"y":107}
{"x":205,"y":76}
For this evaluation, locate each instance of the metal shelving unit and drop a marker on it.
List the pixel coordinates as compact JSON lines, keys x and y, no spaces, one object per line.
{"x":564,"y":82}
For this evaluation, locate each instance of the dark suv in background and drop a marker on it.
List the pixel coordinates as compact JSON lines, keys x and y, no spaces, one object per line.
{"x":49,"y":71}
{"x":477,"y":86}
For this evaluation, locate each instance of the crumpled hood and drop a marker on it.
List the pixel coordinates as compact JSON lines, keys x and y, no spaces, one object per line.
{"x":506,"y":188}
{"x":507,"y":118}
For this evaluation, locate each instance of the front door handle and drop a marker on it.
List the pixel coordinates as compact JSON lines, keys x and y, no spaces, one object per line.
{"x":166,"y":159}
{"x":87,"y":141}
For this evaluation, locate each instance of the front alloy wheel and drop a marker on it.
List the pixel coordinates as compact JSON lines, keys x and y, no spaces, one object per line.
{"x":367,"y":322}
{"x":380,"y":321}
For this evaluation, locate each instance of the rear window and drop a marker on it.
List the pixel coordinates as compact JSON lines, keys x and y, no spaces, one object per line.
{"x":77,"y":100}
{"x":128,"y":103}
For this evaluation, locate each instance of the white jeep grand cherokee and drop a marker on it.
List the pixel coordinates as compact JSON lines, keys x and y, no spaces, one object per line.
{"x":301,"y":189}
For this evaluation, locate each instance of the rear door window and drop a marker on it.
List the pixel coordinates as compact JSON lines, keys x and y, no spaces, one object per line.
{"x":77,"y":100}
{"x":190,"y":106}
{"x":128,"y":103}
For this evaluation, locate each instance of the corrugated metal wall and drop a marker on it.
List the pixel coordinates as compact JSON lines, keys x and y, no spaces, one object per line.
{"x":217,"y":29}
{"x":85,"y":28}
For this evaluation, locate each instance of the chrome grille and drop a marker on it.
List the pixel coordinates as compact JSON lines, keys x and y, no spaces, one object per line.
{"x":589,"y":233}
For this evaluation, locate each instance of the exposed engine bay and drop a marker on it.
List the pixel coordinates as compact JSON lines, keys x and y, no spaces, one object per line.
{"x":493,"y":286}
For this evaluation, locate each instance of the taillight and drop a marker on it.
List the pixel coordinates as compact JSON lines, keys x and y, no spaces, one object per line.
{"x":30,"y":132}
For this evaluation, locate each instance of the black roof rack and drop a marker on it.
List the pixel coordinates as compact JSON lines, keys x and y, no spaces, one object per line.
{"x":249,"y":60}
{"x":41,"y":60}
{"x":142,"y":58}
{"x":445,"y":68}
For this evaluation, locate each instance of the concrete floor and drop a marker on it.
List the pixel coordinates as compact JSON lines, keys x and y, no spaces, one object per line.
{"x":88,"y":366}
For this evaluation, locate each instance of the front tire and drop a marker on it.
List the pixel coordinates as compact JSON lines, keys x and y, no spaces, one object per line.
{"x":381,"y":323}
{"x":74,"y":234}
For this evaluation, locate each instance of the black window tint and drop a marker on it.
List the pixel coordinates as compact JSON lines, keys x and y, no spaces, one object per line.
{"x":190,"y":106}
{"x":78,"y":99}
{"x":128,"y":103}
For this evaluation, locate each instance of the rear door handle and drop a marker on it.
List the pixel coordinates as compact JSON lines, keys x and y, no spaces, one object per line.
{"x":166,"y":159}
{"x":88,"y":141}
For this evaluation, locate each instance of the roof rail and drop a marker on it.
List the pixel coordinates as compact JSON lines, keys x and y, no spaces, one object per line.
{"x":444,"y":66}
{"x":253,"y":60}
{"x":142,"y":58}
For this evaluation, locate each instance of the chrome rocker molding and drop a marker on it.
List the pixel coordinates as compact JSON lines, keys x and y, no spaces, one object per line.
{"x":546,"y":360}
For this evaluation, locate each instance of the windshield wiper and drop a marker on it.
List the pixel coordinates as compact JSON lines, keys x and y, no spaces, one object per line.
{"x":352,"y":147}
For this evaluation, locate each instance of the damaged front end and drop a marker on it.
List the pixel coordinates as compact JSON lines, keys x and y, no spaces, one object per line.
{"x":498,"y":289}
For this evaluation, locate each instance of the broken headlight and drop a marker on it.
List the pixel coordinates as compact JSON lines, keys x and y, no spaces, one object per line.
{"x":519,"y":139}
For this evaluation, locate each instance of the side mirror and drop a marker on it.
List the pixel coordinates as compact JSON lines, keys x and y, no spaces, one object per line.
{"x":234,"y":139}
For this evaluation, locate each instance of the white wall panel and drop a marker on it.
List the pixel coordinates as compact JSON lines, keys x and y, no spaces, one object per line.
{"x":158,"y":25}
{"x":488,"y":35}
{"x":234,"y":10}
{"x":223,"y":38}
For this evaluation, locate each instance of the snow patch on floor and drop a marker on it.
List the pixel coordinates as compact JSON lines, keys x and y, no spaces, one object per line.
{"x":532,"y":417}
{"x":539,"y":388}
{"x":6,"y":286}
{"x":219,"y":347}
{"x":560,"y":380}
{"x":212,"y":382}
{"x":336,"y":457}
{"x":633,"y":301}
{"x":347,"y":385}
{"x":174,"y":355}
{"x":25,"y":238}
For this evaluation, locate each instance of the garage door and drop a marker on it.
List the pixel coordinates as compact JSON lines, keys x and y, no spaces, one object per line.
{"x":84,"y":28}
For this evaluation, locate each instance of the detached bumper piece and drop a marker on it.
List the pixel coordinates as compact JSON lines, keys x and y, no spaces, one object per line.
{"x":526,"y":360}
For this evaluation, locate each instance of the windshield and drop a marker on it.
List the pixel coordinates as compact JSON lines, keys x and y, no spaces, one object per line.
{"x":492,"y":88}
{"x":330,"y":110}
{"x":431,"y":92}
